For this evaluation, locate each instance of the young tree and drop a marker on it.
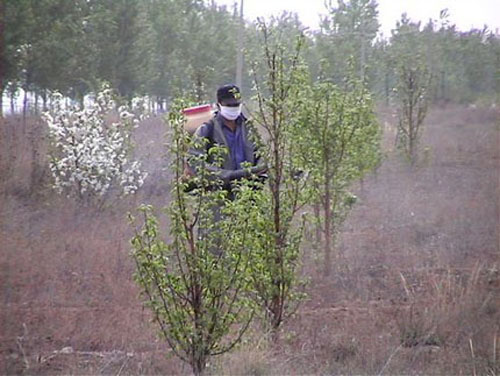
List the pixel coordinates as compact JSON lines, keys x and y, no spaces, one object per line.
{"x":90,"y":155}
{"x":278,"y":244}
{"x":383,"y":83}
{"x":197,"y":283}
{"x":413,"y":97}
{"x":347,"y":33}
{"x":412,"y":87}
{"x":339,"y":142}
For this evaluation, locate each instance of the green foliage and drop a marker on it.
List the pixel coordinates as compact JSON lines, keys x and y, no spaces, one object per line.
{"x":277,"y":98}
{"x":167,"y":48}
{"x":412,"y":88}
{"x":192,"y":48}
{"x":346,"y":36}
{"x":47,"y":47}
{"x":338,"y":139}
{"x":462,"y":64}
{"x":197,"y":284}
{"x":113,"y":31}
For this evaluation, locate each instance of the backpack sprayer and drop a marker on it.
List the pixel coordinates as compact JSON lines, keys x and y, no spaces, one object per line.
{"x":196,"y":116}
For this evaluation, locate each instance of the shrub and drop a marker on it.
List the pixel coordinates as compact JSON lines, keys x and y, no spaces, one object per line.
{"x":89,"y":153}
{"x":197,"y":283}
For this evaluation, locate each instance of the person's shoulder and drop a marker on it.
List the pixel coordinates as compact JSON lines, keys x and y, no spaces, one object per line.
{"x":206,"y":129}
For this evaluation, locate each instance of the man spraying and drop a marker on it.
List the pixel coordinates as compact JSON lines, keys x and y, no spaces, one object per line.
{"x":227,"y":130}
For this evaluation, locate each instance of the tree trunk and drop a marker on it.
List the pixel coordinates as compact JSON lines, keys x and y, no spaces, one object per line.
{"x":386,"y":87}
{"x":25,"y":106}
{"x":317,"y":215}
{"x":413,"y":152}
{"x":12,"y":104}
{"x":362,"y":55}
{"x":3,"y":80}
{"x":199,"y":88}
{"x":443,"y":86}
{"x":327,"y":230}
{"x":81,"y":100}
{"x":199,"y":367}
{"x":44,"y":100}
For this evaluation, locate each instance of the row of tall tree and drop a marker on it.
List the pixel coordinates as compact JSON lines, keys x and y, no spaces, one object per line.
{"x":161,"y":48}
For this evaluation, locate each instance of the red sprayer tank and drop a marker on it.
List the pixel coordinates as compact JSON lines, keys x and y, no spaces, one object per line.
{"x":196,"y":116}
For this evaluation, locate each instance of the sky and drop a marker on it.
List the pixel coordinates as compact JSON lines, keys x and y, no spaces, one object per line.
{"x":466,"y":14}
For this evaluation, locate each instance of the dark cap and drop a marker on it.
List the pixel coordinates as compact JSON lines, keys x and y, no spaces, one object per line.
{"x":229,"y":93}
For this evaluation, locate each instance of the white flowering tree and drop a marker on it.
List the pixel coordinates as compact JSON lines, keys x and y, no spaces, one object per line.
{"x":90,"y":147}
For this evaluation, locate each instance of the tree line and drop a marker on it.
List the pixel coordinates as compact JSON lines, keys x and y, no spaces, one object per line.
{"x":163,"y":48}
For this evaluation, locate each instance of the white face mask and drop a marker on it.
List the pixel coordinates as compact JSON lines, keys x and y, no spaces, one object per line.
{"x":230,"y":113}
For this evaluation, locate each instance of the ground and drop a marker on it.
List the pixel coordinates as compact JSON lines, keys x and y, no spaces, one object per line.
{"x":414,"y":287}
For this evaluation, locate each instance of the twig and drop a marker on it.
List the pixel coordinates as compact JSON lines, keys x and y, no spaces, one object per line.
{"x":495,"y":348}
{"x":123,"y":365}
{"x":389,"y":360}
{"x":20,"y":345}
{"x":25,"y":358}
{"x":405,"y":285}
{"x":473,"y":357}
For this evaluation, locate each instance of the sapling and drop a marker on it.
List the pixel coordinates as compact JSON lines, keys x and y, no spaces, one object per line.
{"x":196,"y":278}
{"x":339,"y":142}
{"x":412,"y":94}
{"x":91,"y":147}
{"x":413,"y":87}
{"x":277,"y":247}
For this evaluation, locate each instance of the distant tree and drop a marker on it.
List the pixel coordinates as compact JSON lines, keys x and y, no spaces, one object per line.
{"x":462,"y":64}
{"x":384,"y":79}
{"x":63,"y":57}
{"x":159,"y":44}
{"x":114,"y":32}
{"x":163,"y":48}
{"x":348,"y":31}
{"x":412,"y":87}
{"x":3,"y":56}
{"x":287,"y":28}
{"x":189,"y":46}
{"x":41,"y":40}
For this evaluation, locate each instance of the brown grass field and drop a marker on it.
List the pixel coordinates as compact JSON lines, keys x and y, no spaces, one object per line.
{"x":415,"y":287}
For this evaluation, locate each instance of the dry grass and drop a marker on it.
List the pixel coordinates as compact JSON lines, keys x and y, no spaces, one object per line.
{"x":415,"y":288}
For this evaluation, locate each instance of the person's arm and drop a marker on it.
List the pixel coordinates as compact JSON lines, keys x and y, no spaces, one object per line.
{"x":199,"y":160}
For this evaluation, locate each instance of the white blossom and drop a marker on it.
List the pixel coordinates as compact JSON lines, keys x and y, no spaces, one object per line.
{"x":90,"y":156}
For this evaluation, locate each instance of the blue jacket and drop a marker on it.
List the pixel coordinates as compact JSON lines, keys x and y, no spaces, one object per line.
{"x":211,"y":134}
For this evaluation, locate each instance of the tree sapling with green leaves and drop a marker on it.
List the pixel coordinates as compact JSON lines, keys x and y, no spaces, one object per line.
{"x":339,"y":142}
{"x":197,"y":282}
{"x":413,"y":84}
{"x":277,"y":247}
